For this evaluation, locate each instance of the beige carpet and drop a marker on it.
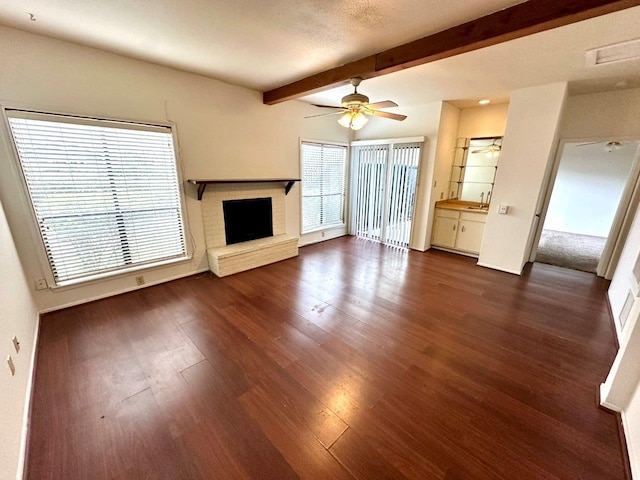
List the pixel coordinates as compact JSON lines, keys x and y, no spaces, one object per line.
{"x":570,"y":250}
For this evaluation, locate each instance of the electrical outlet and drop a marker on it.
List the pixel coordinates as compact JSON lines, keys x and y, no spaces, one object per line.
{"x":12,"y":367}
{"x":503,"y":209}
{"x":140,"y":280}
{"x":16,"y":344}
{"x":41,"y":284}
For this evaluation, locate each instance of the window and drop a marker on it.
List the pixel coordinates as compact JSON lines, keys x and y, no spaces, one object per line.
{"x":105,"y":194}
{"x":323,"y":172}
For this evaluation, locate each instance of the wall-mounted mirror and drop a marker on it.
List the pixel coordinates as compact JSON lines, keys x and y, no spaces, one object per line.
{"x":474,"y":169}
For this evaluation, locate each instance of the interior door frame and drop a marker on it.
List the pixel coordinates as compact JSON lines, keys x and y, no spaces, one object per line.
{"x":624,"y":212}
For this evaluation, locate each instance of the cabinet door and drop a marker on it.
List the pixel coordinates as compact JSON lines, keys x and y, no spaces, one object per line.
{"x":469,"y":236}
{"x":444,"y":232}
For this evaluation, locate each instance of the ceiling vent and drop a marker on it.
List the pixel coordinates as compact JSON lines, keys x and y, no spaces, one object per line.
{"x":619,"y":52}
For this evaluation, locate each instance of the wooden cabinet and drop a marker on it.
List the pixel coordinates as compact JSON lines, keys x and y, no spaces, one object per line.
{"x":458,"y":230}
{"x":444,"y":230}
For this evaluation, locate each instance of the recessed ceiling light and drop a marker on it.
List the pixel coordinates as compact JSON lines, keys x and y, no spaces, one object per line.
{"x":618,"y":52}
{"x":484,"y":101}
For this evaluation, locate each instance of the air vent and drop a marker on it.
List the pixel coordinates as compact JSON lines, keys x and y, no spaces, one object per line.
{"x":618,"y":52}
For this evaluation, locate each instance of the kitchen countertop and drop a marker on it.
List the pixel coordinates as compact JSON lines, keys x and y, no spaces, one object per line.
{"x":462,"y":206}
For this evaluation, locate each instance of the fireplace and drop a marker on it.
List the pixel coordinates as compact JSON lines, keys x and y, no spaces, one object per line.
{"x":258,"y":207}
{"x":247,"y":219}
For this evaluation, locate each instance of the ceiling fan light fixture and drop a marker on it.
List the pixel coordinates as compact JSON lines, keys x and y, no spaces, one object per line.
{"x":353,"y":120}
{"x":612,"y":146}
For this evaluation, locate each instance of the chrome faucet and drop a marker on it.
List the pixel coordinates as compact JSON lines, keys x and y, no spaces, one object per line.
{"x":481,"y":199}
{"x":488,"y":197}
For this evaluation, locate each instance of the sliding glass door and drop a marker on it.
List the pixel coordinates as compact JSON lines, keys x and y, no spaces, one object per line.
{"x":383,"y":189}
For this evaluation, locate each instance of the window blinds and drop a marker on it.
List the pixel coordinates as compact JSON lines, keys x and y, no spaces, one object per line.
{"x":323,"y":170}
{"x":105,"y":194}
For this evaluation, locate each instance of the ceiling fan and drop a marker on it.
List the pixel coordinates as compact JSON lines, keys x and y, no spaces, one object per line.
{"x":491,"y":150}
{"x":607,"y":146}
{"x":355,"y":108}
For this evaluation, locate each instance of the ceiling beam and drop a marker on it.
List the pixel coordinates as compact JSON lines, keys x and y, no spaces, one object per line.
{"x":514,"y":22}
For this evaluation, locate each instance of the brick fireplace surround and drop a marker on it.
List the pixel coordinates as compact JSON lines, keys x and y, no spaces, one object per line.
{"x":229,"y":259}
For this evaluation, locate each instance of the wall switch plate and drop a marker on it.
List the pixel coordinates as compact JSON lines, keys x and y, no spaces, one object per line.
{"x":41,"y":284}
{"x":12,"y":367}
{"x":140,"y":280}
{"x":503,"y":209}
{"x":16,"y":344}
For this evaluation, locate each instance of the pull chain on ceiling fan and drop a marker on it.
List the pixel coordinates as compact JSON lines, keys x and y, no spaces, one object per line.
{"x":356,"y":107}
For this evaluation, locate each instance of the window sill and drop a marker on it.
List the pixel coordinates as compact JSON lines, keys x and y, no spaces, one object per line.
{"x":81,"y":282}
{"x":324,"y":228}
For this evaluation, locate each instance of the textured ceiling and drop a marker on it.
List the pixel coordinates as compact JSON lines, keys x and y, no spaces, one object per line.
{"x":254,"y":43}
{"x":264,"y":44}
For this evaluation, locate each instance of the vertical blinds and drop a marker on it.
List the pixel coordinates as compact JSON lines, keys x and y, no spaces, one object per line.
{"x":105,"y":194}
{"x":384,"y":178}
{"x":322,"y":171}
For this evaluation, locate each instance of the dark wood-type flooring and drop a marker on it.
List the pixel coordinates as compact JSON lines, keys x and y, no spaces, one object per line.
{"x":352,"y":361}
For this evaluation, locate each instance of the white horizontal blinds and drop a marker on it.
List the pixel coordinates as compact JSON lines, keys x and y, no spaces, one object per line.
{"x":369,"y":171}
{"x":323,"y":172}
{"x":403,"y":173}
{"x":105,"y":194}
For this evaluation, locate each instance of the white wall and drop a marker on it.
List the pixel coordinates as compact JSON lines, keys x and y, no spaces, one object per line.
{"x":587,"y":188}
{"x":620,"y":390}
{"x":607,"y":115}
{"x":622,"y":281}
{"x":20,"y":318}
{"x":529,"y":142}
{"x":484,"y":121}
{"x":443,"y":159}
{"x":224,"y":131}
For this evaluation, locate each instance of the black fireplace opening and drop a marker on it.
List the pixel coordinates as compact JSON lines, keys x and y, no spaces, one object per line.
{"x":247,"y":219}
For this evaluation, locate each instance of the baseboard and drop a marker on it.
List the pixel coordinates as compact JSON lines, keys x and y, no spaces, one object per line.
{"x":457,"y":252}
{"x":26,"y":420}
{"x":124,"y":290}
{"x":628,"y":454}
{"x":622,"y":427}
{"x":495,"y":267}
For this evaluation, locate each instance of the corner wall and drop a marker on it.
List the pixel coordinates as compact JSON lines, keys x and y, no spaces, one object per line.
{"x":529,"y":143}
{"x":20,"y":318}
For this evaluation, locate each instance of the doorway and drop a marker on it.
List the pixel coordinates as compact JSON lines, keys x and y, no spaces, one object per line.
{"x":587,"y":205}
{"x":383,"y":185}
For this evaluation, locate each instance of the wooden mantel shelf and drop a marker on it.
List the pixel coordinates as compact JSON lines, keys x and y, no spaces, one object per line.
{"x":202,"y":184}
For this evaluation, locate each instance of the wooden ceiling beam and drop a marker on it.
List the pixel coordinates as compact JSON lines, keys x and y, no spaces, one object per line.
{"x":514,"y":22}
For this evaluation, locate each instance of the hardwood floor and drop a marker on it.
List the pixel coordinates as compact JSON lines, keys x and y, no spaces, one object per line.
{"x":352,"y":361}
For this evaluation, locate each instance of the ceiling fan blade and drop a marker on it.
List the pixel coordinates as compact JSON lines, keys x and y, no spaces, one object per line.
{"x":325,"y":106}
{"x":392,"y":116}
{"x":383,"y":104}
{"x":325,"y":114}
